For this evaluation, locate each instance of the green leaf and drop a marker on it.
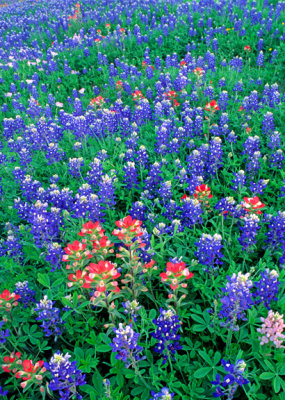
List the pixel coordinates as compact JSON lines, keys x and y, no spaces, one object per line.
{"x":276,"y":384}
{"x":152,"y":314}
{"x":202,"y":372}
{"x":103,"y":348}
{"x":205,"y":357}
{"x":137,"y":390}
{"x":198,"y":328}
{"x":44,"y":280}
{"x":266,"y":375}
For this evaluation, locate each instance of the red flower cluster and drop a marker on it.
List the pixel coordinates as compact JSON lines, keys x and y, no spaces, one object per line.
{"x":171,"y":95}
{"x":103,"y":277}
{"x":144,"y":65}
{"x":76,"y":252}
{"x":199,"y":71}
{"x":8,"y":299}
{"x":25,"y":369}
{"x":129,"y":229}
{"x":203,"y":192}
{"x":175,"y":274}
{"x":97,"y":101}
{"x":212,"y":106}
{"x":77,"y":12}
{"x":137,"y":95}
{"x":119,"y":85}
{"x":247,"y":48}
{"x":252,"y":205}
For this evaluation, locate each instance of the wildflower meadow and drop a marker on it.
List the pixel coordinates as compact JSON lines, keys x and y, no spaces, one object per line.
{"x":142,"y":199}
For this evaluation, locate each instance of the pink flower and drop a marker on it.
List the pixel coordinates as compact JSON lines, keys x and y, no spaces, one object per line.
{"x":271,"y":329}
{"x":58,"y":104}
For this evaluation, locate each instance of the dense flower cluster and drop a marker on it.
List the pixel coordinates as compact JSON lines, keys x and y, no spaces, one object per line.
{"x":209,"y":251}
{"x":65,"y":376}
{"x":49,"y":315}
{"x":231,"y":381}
{"x":27,"y":295}
{"x":267,"y":287}
{"x":271,"y":329}
{"x":237,"y":299}
{"x":167,"y":326}
{"x":125,"y":344}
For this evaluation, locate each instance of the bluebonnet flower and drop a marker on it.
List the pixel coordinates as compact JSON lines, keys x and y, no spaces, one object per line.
{"x":276,"y":229}
{"x":260,"y":59}
{"x":214,"y":161}
{"x":227,"y":207}
{"x":27,"y":295}
{"x":276,"y":160}
{"x":52,"y":323}
{"x":274,"y":140}
{"x":54,"y":153}
{"x":191,"y":212}
{"x":259,"y":187}
{"x":253,"y":165}
{"x":154,"y":178}
{"x":138,"y":211}
{"x":249,"y":229}
{"x":130,"y":177}
{"x":164,"y":394}
{"x":268,"y":123}
{"x":266,"y":287}
{"x":239,"y":180}
{"x":125,"y":344}
{"x":12,"y":246}
{"x":167,"y":325}
{"x":3,"y":392}
{"x":4,"y":334}
{"x":54,"y":255}
{"x":165,"y":190}
{"x":74,"y":166}
{"x":65,"y":376}
{"x":232,"y":380}
{"x":237,"y":300}
{"x":106,"y":191}
{"x":132,"y":308}
{"x":95,"y":173}
{"x":209,"y":251}
{"x":251,"y":145}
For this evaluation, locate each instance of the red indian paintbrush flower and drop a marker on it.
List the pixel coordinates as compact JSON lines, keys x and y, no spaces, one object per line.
{"x":199,"y":71}
{"x":175,"y":274}
{"x":8,"y":299}
{"x":31,"y":371}
{"x":119,"y":85}
{"x":137,"y":95}
{"x":212,"y":106}
{"x":128,"y":226}
{"x":247,"y":48}
{"x":97,"y":101}
{"x":11,"y":362}
{"x":252,"y":204}
{"x":102,"y":276}
{"x":203,"y":192}
{"x":76,"y":250}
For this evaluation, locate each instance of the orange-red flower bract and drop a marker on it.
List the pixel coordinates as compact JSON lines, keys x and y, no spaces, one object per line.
{"x":8,"y":299}
{"x":203,"y":191}
{"x":130,"y":228}
{"x":98,"y":101}
{"x":252,"y":204}
{"x":212,"y":106}
{"x":102,"y":276}
{"x":199,"y":71}
{"x":175,"y":274}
